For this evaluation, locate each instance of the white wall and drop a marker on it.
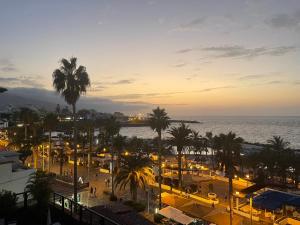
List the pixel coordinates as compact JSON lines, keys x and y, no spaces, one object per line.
{"x":14,"y":181}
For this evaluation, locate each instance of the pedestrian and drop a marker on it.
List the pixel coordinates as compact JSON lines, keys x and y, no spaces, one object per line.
{"x":213,"y":205}
{"x":105,"y":181}
{"x":91,"y":191}
{"x":108,"y":181}
{"x":95,"y":191}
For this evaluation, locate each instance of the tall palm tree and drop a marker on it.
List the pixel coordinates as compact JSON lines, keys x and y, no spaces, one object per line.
{"x":71,"y":82}
{"x":196,"y":142}
{"x":159,"y":121}
{"x":135,"y":171}
{"x":50,"y":123}
{"x":180,"y":137}
{"x":230,"y":154}
{"x":112,"y":128}
{"x":119,"y":143}
{"x":210,"y":142}
{"x":28,"y":117}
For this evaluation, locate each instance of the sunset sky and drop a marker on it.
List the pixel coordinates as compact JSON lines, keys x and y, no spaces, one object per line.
{"x":193,"y":57}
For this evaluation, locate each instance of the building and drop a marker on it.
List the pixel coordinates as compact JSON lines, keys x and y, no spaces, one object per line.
{"x":3,"y":124}
{"x":13,"y":175}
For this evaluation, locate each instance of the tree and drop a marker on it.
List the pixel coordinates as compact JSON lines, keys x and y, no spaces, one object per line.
{"x":50,"y":123}
{"x":210,"y":143}
{"x":196,"y":144}
{"x":229,"y":156}
{"x":180,"y":138}
{"x":112,"y":128}
{"x":71,"y":82}
{"x":135,"y":172}
{"x":278,"y":143}
{"x":119,"y":143}
{"x":159,"y":121}
{"x":39,"y":185}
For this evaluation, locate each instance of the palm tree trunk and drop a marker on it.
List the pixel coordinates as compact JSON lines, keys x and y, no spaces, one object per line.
{"x":112,"y":172}
{"x":230,"y":197}
{"x":75,"y":152}
{"x":159,"y":168}
{"x":90,"y":150}
{"x":50,"y":152}
{"x":61,"y":163}
{"x":179,"y":168}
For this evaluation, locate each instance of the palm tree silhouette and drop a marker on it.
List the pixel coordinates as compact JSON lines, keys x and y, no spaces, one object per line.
{"x":71,"y":82}
{"x":180,"y":137}
{"x":229,"y":157}
{"x":50,"y":123}
{"x":135,"y":171}
{"x":278,"y":143}
{"x":112,"y":128}
{"x":159,"y":121}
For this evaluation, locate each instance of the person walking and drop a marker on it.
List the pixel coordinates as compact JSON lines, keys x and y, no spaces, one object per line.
{"x":95,"y":191}
{"x":91,"y":191}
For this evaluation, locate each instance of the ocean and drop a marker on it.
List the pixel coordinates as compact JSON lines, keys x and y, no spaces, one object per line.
{"x":254,"y":129}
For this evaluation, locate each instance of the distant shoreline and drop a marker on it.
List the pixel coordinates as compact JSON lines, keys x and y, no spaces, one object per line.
{"x":146,"y":124}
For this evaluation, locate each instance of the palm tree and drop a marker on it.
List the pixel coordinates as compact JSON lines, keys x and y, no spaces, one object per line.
{"x":50,"y":123}
{"x":159,"y":121}
{"x":71,"y":82}
{"x":136,"y":172}
{"x":39,"y":185}
{"x":119,"y":143}
{"x":196,"y":142}
{"x":180,"y":137}
{"x":278,"y":143}
{"x":230,"y":154}
{"x":210,"y":142}
{"x":28,"y":117}
{"x":112,"y":128}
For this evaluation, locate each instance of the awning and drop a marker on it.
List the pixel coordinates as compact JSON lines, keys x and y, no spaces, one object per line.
{"x":176,"y":215}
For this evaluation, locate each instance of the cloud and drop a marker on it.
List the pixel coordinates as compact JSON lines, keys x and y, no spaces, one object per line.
{"x":191,"y":25}
{"x":17,"y":81}
{"x":258,"y":76}
{"x":296,"y":82}
{"x":285,"y":20}
{"x":236,"y":51}
{"x":7,"y":66}
{"x":125,"y":81}
{"x":216,"y":88}
{"x":185,"y":50}
{"x":142,"y":95}
{"x":102,"y":85}
{"x":180,"y":65}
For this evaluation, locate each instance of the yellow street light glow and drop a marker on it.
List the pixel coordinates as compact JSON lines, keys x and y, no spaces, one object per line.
{"x":163,"y":165}
{"x":237,"y":192}
{"x":67,"y":143}
{"x":247,"y":176}
{"x":78,"y":146}
{"x":235,"y":176}
{"x":126,"y":153}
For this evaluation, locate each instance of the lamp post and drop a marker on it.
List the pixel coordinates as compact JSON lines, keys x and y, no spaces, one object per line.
{"x":43,"y":155}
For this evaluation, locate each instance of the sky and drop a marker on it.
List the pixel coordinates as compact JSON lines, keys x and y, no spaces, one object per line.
{"x":192,"y":57}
